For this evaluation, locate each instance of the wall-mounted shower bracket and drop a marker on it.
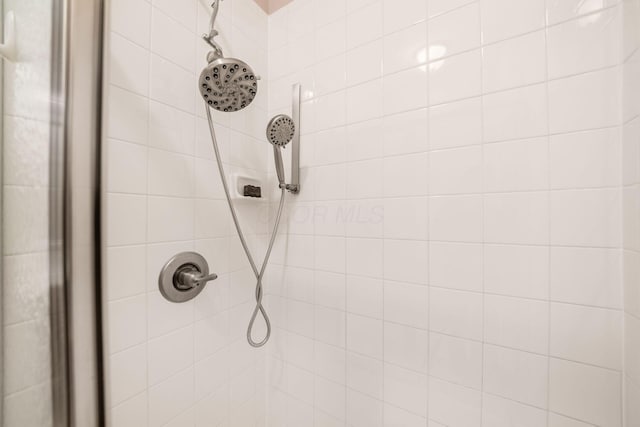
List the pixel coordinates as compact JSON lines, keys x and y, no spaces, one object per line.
{"x":184,"y":276}
{"x":213,"y":33}
{"x":294,"y":186}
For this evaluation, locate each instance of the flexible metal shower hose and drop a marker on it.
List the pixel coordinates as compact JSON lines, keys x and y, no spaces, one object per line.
{"x":258,"y":273}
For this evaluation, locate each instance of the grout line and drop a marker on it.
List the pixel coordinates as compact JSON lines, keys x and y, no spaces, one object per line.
{"x":190,"y":155}
{"x":382,"y":198}
{"x":383,"y":322}
{"x":414,"y":66}
{"x":453,"y":290}
{"x":147,"y":173}
{"x":549,"y":214}
{"x":454,"y":337}
{"x":455,"y":9}
{"x":372,"y":199}
{"x":39,"y":384}
{"x":623,"y":343}
{"x":483,"y":185}
{"x":428,"y":187}
{"x":629,"y":56}
{"x":193,"y":113}
{"x":36,"y":120}
{"x":457,"y":242}
{"x":494,"y":141}
{"x":439,"y":379}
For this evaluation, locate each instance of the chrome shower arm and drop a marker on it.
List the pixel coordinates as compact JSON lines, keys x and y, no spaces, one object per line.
{"x":212,"y":21}
{"x":209,"y":38}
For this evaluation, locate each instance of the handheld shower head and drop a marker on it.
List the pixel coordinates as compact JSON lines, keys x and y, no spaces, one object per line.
{"x":228,"y":84}
{"x":280,"y":132}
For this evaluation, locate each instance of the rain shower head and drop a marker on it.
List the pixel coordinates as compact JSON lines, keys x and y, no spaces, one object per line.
{"x":228,"y":84}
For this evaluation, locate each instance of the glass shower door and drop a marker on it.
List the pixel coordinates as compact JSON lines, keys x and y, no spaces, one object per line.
{"x":26,"y":123}
{"x":50,"y":236}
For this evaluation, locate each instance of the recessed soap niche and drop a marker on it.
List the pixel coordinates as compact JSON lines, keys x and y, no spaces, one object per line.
{"x":238,"y":183}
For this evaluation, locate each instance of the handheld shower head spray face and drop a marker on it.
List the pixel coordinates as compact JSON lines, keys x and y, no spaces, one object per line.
{"x":228,"y":84}
{"x":280,"y":130}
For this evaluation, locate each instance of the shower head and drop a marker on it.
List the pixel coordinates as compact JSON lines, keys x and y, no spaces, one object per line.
{"x":280,"y":130}
{"x":228,"y":84}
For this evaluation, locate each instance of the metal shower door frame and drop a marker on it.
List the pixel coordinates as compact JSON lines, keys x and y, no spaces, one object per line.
{"x":75,"y":214}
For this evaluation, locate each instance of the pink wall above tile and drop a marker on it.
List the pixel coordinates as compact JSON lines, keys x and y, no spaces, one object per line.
{"x":264,"y":4}
{"x":277,"y":4}
{"x":271,"y":6}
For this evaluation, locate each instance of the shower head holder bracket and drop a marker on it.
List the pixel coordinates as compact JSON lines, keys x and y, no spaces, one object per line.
{"x":294,"y":186}
{"x":213,"y":33}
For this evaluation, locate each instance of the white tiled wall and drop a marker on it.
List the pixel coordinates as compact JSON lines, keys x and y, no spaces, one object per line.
{"x":631,"y":210}
{"x":26,"y":370}
{"x":458,"y":252}
{"x":454,"y":257}
{"x":179,"y":364}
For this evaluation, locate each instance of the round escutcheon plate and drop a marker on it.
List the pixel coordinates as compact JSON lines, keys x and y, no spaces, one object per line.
{"x":168,"y":282}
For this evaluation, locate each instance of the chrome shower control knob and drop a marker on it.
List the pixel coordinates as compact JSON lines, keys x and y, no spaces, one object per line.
{"x":184,"y":276}
{"x":189,"y":276}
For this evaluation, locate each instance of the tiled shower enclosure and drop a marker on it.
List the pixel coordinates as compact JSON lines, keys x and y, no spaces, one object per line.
{"x":465,"y":247}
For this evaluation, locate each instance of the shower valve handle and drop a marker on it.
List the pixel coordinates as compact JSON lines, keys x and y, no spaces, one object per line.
{"x":184,"y":276}
{"x":190,"y":276}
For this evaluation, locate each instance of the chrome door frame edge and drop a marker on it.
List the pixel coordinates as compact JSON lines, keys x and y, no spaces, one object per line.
{"x":2,"y":90}
{"x":58,"y":306}
{"x":1,"y":231}
{"x":75,"y":214}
